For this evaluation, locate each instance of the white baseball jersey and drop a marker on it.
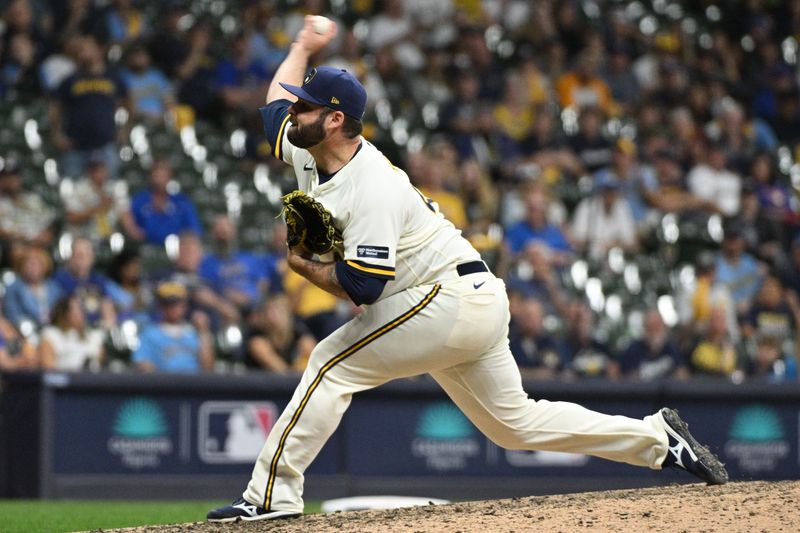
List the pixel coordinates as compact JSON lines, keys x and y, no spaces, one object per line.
{"x":403,"y":237}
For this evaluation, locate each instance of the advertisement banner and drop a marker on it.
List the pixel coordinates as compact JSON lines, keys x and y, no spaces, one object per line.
{"x":113,"y":434}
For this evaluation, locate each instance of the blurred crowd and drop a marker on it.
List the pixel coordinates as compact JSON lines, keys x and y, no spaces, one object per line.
{"x":629,"y":168}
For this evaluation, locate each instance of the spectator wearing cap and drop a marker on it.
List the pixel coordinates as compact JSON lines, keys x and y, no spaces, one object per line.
{"x":713,"y":181}
{"x":603,"y":220}
{"x":635,"y":179}
{"x":172,"y":343}
{"x":25,"y":219}
{"x":83,"y":112}
{"x":736,"y":268}
{"x":94,"y":203}
{"x":156,"y":212}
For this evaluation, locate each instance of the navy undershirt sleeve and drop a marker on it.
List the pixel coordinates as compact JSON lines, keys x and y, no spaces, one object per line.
{"x":360,"y":286}
{"x":273,"y":114}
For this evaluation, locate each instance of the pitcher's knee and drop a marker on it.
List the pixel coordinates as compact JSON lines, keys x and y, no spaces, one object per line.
{"x":509,"y":439}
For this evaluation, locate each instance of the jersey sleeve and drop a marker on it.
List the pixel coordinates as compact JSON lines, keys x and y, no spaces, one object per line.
{"x":275,"y":116}
{"x":371,"y":236}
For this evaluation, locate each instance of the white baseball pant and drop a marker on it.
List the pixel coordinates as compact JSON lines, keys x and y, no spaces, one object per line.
{"x":457,"y":331}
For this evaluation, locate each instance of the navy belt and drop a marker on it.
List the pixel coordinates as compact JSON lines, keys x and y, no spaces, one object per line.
{"x":473,"y":267}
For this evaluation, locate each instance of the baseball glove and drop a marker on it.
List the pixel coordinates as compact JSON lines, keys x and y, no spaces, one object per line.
{"x":309,"y":223}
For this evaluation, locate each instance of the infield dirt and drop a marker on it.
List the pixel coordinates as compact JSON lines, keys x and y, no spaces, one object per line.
{"x":736,"y":507}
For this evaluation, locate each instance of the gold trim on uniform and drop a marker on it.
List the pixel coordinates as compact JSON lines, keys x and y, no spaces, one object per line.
{"x":279,"y":140}
{"x":383,"y":271}
{"x":330,"y":364}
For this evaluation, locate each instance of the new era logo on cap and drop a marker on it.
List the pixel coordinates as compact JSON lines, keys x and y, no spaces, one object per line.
{"x":334,"y":88}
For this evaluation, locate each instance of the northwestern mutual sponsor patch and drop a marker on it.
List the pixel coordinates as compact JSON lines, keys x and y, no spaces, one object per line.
{"x":372,"y":252}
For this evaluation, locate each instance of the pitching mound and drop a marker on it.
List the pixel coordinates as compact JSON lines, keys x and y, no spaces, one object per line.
{"x":736,"y":507}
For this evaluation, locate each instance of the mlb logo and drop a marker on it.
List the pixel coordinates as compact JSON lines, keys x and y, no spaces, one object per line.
{"x":233,"y":432}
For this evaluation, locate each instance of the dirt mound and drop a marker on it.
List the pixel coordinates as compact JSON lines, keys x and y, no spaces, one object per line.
{"x":753,"y":506}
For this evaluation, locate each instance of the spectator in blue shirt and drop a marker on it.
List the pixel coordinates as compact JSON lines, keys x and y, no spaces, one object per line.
{"x":535,"y":227}
{"x":737,"y":269}
{"x":156,"y":213}
{"x":237,"y":275}
{"x":240,"y":79}
{"x":636,"y":180}
{"x":150,"y":91}
{"x":173,"y":344}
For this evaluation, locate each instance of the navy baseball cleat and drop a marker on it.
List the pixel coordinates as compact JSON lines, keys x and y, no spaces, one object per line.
{"x":241,"y":509}
{"x":686,"y":453}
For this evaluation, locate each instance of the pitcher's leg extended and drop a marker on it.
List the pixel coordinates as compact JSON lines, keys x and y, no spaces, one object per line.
{"x":489,"y":391}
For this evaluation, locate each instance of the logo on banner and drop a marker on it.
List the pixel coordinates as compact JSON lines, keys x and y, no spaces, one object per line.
{"x":757,"y":440}
{"x":445,"y":438}
{"x":233,"y":432}
{"x":141,"y":434}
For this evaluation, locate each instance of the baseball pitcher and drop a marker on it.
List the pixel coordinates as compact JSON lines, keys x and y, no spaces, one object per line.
{"x":430,"y":305}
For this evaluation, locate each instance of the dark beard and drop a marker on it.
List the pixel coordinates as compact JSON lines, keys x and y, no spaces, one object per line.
{"x":308,"y":135}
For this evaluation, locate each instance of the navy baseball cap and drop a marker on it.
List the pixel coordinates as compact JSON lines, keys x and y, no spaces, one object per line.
{"x":334,"y":88}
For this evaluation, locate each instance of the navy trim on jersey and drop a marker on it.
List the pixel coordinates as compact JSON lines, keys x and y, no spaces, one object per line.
{"x":275,"y":116}
{"x":378,"y":271}
{"x":363,"y":288}
{"x":338,"y":358}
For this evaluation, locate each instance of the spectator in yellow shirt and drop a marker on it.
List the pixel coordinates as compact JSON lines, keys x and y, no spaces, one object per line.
{"x":582,"y":87}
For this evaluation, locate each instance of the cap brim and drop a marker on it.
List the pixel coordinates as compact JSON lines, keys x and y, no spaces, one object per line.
{"x":301,"y":93}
